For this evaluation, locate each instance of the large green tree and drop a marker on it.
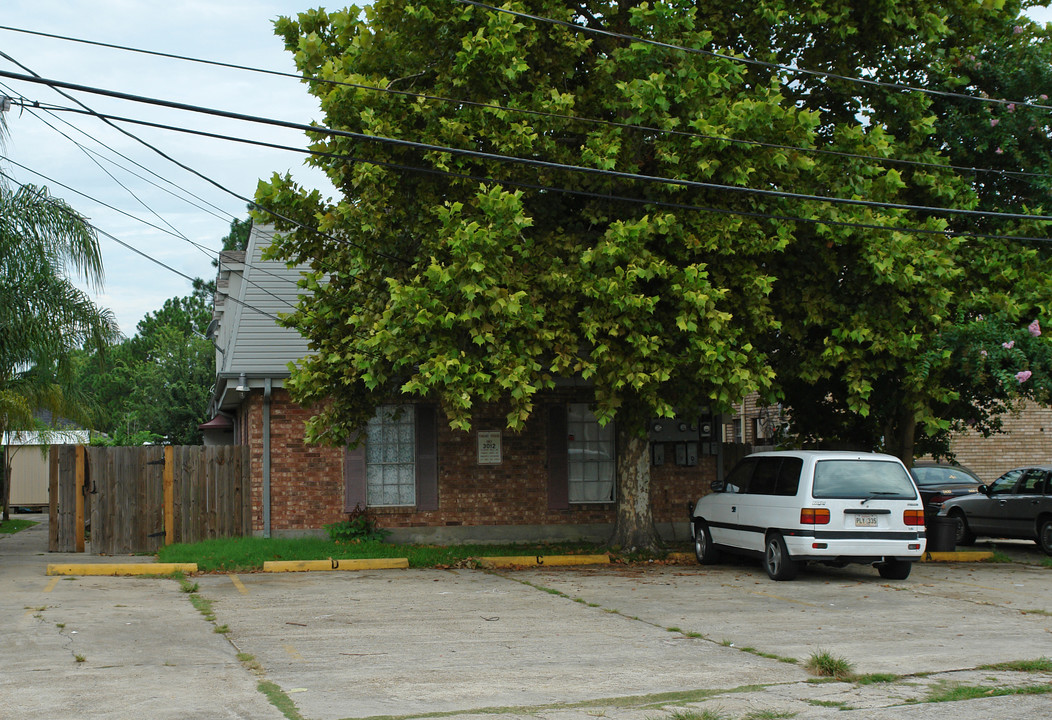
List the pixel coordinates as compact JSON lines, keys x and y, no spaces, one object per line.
{"x":870,"y":349}
{"x":156,"y":382}
{"x":44,"y":317}
{"x":456,"y":276}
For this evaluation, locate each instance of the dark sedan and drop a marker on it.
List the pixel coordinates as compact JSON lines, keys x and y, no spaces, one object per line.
{"x":1016,"y":505}
{"x":938,"y":483}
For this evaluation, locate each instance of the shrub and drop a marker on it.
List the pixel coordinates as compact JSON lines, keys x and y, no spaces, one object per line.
{"x":358,"y":527}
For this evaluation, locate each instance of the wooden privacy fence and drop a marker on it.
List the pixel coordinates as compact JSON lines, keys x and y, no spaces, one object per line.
{"x":136,"y":499}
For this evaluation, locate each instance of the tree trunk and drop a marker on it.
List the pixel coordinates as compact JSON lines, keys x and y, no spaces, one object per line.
{"x":900,"y":438}
{"x":634,"y":528}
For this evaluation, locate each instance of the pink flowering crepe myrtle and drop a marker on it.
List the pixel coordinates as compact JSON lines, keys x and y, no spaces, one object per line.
{"x":1008,"y":345}
{"x":1022,"y":376}
{"x":1034,"y":328}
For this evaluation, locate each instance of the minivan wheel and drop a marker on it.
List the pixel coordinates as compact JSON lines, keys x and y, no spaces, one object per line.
{"x":776,"y":560}
{"x":704,"y":550}
{"x":1044,"y":535}
{"x":895,"y":569}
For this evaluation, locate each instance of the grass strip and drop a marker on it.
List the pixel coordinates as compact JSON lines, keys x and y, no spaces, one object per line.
{"x":247,"y":554}
{"x":10,"y":527}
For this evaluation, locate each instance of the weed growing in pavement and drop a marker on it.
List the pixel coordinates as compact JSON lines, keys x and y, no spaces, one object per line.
{"x":203,"y":606}
{"x":769,"y":715}
{"x":840,"y":704}
{"x":823,"y":664}
{"x":949,"y":692}
{"x":80,"y":658}
{"x":717,"y":714}
{"x":876,"y":678}
{"x":280,"y":700}
{"x":250,"y":662}
{"x":1040,"y":665}
{"x":221,"y":629}
{"x":998,"y":557}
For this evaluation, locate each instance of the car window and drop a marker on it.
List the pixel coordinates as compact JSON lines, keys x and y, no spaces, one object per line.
{"x":1006,"y":483}
{"x":1033,"y":482}
{"x":862,"y":479}
{"x":941,"y":475}
{"x":789,"y":476}
{"x":740,"y":477}
{"x":765,"y":477}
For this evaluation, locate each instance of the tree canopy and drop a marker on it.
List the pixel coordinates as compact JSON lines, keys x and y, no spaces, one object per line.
{"x":523,"y":201}
{"x":155,"y":384}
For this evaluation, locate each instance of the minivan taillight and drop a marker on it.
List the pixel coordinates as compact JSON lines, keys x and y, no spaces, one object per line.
{"x":913,"y":517}
{"x":814,"y":516}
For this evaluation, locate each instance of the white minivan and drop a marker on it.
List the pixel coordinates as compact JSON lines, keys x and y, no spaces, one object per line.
{"x":792,"y":507}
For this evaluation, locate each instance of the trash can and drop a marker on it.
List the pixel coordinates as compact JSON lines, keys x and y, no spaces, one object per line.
{"x":942,"y":534}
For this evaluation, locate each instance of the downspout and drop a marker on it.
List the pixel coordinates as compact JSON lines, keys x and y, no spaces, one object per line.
{"x":266,"y":457}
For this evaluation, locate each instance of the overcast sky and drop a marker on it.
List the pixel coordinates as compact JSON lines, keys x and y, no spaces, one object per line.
{"x":232,"y":31}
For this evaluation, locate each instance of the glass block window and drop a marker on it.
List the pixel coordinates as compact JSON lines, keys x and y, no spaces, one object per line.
{"x":390,"y":456}
{"x":592,"y":456}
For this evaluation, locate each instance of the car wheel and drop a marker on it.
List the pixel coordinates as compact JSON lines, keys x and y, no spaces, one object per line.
{"x":704,"y":550}
{"x":963,"y":534}
{"x":1044,"y":535}
{"x":776,"y":560}
{"x":895,"y":569}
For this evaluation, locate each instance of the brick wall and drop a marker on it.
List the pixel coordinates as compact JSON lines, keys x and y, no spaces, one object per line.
{"x":1028,"y":440}
{"x":307,"y":481}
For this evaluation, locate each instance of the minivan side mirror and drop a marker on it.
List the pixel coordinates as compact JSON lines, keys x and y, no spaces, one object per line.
{"x":718,"y":485}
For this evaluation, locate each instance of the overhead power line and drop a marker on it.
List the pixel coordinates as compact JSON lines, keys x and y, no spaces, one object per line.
{"x":57,"y":86}
{"x":568,"y":191}
{"x":512,"y":159}
{"x":751,"y":61}
{"x":542,"y":113}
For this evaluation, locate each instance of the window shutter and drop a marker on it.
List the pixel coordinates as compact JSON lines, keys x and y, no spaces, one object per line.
{"x":426,"y":458}
{"x":354,"y":487}
{"x":558,"y":460}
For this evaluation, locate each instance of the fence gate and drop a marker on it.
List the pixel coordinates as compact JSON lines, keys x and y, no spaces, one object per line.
{"x":120,"y":500}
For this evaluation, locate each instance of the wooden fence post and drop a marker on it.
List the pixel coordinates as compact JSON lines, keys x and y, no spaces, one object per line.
{"x":78,"y":527}
{"x":169,"y":495}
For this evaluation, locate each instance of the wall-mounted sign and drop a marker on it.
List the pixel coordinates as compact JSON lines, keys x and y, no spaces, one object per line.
{"x":489,"y":447}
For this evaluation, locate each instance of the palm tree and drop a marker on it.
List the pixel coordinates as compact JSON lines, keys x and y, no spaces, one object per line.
{"x":44,"y":246}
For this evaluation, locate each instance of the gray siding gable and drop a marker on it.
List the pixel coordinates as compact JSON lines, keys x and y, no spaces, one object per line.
{"x":250,"y":293}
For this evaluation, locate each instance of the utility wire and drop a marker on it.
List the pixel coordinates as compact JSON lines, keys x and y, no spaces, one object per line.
{"x":583,"y":193}
{"x":560,"y":116}
{"x":171,"y":232}
{"x":57,"y":86}
{"x":122,"y":243}
{"x":750,"y":61}
{"x":508,"y":158}
{"x":175,"y":233}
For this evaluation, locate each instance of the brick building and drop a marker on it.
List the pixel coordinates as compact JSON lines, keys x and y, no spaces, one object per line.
{"x":1027,"y":440}
{"x":415,"y":476}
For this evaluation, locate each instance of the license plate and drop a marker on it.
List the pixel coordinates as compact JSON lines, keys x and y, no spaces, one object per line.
{"x":865,"y":521}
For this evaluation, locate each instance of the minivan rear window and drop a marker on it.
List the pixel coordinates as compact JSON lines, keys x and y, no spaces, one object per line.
{"x":854,"y":478}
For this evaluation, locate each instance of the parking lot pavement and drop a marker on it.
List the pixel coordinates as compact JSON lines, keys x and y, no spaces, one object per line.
{"x":944,"y":617}
{"x":110,"y":647}
{"x":569,"y":643}
{"x":619,"y":642}
{"x":422,"y":641}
